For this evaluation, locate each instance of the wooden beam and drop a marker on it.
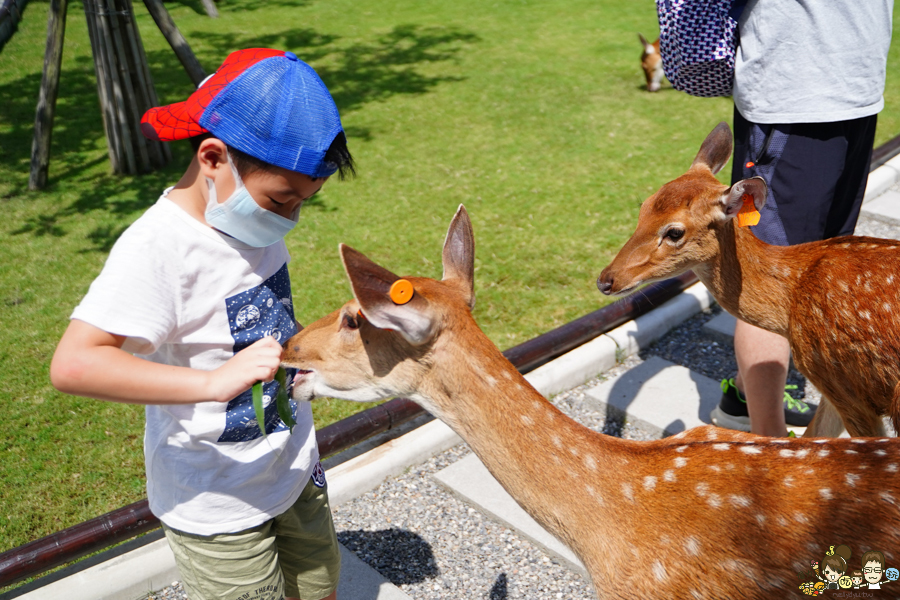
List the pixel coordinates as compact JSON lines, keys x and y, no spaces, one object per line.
{"x":176,"y":40}
{"x":46,"y":107}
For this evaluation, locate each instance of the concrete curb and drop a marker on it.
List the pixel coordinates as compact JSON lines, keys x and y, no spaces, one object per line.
{"x":882,"y":178}
{"x":134,"y":574}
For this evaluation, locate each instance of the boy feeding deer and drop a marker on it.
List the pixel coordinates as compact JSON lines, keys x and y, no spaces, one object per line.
{"x":198,"y":289}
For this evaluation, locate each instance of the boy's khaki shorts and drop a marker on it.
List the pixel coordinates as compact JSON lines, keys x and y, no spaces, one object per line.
{"x":296,"y":554}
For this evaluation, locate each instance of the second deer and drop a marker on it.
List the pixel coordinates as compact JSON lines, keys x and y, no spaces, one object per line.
{"x":836,"y":300}
{"x":651,"y":63}
{"x":708,"y":513}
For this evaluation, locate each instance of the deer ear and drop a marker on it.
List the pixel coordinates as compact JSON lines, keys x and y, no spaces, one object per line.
{"x":371,"y":285}
{"x":459,"y":254}
{"x":733,"y":198}
{"x":648,"y":48}
{"x":715,"y":149}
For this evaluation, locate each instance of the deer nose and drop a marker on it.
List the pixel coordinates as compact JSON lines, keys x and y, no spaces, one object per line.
{"x":605,"y":283}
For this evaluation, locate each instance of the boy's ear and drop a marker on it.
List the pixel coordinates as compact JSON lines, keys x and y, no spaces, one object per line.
{"x":212,"y":155}
{"x":371,"y":285}
{"x":459,"y":254}
{"x":715,"y":149}
{"x":733,"y":198}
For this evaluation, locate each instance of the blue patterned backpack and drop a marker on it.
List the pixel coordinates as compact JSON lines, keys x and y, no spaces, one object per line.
{"x":697,"y":41}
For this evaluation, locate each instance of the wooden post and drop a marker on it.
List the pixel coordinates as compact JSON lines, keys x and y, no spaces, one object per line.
{"x":176,"y":40}
{"x":46,"y":107}
{"x":210,"y":8}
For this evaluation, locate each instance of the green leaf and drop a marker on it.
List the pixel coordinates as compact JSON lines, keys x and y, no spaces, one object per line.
{"x":258,"y":407}
{"x":282,"y":402}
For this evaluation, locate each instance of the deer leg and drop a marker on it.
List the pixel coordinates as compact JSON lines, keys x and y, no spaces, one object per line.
{"x":827,"y":421}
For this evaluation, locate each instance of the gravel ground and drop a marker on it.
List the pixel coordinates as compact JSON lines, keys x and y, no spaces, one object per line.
{"x":435,"y":547}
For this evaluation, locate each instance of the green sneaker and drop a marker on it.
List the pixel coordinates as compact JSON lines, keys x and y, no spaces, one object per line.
{"x":731,"y":412}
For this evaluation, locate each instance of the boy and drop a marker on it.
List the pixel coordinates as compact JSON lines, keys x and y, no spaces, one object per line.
{"x":198,"y":290}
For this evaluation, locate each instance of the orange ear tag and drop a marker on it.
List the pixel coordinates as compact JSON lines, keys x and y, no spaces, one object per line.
{"x":401,"y":291}
{"x":748,"y":215}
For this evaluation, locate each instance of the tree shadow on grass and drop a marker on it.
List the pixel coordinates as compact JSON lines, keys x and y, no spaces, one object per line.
{"x":357,"y":74}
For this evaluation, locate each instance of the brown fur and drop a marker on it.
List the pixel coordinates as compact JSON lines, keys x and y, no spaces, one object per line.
{"x":707,"y":513}
{"x":836,"y":301}
{"x":651,"y":63}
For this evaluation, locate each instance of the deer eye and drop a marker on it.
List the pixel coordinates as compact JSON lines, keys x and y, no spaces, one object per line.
{"x":674,"y":234}
{"x":350,"y":322}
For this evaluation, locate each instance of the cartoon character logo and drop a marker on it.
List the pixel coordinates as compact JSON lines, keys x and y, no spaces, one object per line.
{"x":833,"y":572}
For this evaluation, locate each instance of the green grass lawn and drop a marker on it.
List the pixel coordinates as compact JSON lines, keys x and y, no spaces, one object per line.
{"x":531,"y":112}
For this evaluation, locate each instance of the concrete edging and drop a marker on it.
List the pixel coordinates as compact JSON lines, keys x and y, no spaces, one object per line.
{"x":882,"y":178}
{"x":134,"y":574}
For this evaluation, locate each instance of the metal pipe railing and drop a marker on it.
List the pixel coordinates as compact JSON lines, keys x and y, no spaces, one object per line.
{"x":75,"y":542}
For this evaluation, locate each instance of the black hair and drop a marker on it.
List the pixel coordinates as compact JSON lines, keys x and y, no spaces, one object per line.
{"x":337,"y":153}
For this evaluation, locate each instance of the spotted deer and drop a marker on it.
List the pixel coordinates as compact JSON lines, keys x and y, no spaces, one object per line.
{"x":708,"y":513}
{"x":836,"y":300}
{"x":651,"y":63}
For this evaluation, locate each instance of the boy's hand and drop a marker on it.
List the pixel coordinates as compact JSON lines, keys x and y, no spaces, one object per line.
{"x":257,"y":362}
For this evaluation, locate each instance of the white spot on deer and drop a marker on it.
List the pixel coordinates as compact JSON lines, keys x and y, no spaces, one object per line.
{"x":825,"y":493}
{"x":809,"y":471}
{"x":594,"y":494}
{"x":779,"y":441}
{"x":711,"y":434}
{"x":730,"y":467}
{"x":750,"y":449}
{"x":702,"y":489}
{"x":721,"y":446}
{"x":739,"y":501}
{"x":823,"y":452}
{"x":890,"y":279}
{"x":557,"y":441}
{"x":761,"y":519}
{"x":681,"y":448}
{"x":886,"y":307}
{"x":715,"y":468}
{"x":786,"y":453}
{"x":789,"y":480}
{"x":659,"y":571}
{"x":692,"y":546}
{"x":851,"y":479}
{"x":696,"y":595}
{"x":848,"y":451}
{"x":820,"y":441}
{"x":507,"y":375}
{"x":782,"y":521}
{"x":857,"y":441}
{"x":880,"y":452}
{"x":680,"y":461}
{"x":887,"y":497}
{"x":882,"y":440}
{"x":865,"y":314}
{"x":527,"y":420}
{"x":590,"y":462}
{"x":714,"y":500}
{"x":669,"y":475}
{"x":628,"y":491}
{"x":680,"y":435}
{"x":801,"y":518}
{"x":574,"y":451}
{"x":649,"y":482}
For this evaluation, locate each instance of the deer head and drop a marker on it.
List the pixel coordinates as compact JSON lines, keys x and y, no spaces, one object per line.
{"x":682,"y":225}
{"x":379,"y":345}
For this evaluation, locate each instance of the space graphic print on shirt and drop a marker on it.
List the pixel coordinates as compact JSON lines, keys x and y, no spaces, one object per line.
{"x":264,"y":310}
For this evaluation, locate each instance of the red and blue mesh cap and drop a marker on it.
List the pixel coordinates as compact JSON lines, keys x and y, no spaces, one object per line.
{"x":266,"y":103}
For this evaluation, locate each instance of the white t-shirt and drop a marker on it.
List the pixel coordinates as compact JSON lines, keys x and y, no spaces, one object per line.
{"x":812,"y":61}
{"x":184,"y":294}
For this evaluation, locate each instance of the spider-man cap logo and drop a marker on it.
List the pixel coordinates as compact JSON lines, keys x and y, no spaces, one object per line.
{"x":267,"y":103}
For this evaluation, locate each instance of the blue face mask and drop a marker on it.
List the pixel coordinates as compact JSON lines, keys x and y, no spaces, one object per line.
{"x":245,"y":220}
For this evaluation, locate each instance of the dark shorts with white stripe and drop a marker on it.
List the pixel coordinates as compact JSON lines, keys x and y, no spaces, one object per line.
{"x":816,"y":173}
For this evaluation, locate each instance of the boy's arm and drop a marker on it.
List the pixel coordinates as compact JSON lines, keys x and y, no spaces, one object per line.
{"x":90,"y":362}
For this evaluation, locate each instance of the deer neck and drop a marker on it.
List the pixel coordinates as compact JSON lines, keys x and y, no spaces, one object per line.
{"x":751,"y":279}
{"x":534,"y":450}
